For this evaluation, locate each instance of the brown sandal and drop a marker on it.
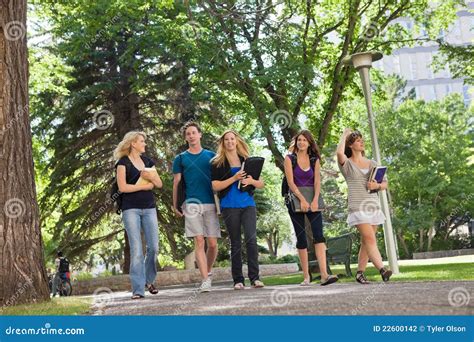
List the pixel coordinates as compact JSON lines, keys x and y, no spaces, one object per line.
{"x":386,"y":274}
{"x":137,"y":296}
{"x":152,"y":289}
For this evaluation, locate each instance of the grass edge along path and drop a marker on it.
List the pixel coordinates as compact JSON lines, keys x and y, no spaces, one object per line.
{"x":439,"y":272}
{"x":64,"y":306}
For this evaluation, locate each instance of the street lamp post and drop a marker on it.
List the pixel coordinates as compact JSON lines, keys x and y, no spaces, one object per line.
{"x":363,"y":62}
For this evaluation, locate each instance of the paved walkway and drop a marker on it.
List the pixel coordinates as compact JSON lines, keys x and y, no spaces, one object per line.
{"x":393,"y":298}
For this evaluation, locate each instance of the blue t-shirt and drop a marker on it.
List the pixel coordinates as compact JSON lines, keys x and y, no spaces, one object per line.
{"x":236,"y":198}
{"x":144,"y":199}
{"x":196,"y":169}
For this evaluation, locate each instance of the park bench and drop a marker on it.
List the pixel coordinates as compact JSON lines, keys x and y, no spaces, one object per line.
{"x":338,"y":251}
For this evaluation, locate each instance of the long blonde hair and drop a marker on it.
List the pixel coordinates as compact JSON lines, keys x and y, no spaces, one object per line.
{"x":222,"y":155}
{"x":125,"y":146}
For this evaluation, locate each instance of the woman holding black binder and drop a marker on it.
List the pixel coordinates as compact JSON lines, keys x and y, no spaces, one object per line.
{"x":364,"y":205}
{"x":302,"y":168}
{"x":237,"y":205}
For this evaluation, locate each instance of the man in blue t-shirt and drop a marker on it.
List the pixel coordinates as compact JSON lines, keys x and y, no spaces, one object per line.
{"x":199,"y":209}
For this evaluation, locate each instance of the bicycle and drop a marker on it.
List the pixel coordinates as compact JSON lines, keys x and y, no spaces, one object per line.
{"x":64,"y":288}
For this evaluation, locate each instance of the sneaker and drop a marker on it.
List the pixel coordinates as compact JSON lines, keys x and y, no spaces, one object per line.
{"x":206,"y":285}
{"x":257,"y":284}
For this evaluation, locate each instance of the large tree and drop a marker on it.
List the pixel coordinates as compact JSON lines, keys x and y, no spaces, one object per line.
{"x":285,"y":57}
{"x":22,"y":272}
{"x":261,"y":67}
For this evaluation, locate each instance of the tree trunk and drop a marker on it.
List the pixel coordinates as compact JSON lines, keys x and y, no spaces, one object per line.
{"x":270,"y":244}
{"x":404,"y":244}
{"x":431,"y":235}
{"x":422,"y":233}
{"x":277,"y":242}
{"x":22,"y":272}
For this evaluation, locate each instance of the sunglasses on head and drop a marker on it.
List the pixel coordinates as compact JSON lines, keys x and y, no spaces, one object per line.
{"x":356,"y":134}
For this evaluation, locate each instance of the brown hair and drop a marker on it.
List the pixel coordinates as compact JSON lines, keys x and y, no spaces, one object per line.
{"x":190,"y":124}
{"x":313,"y":149}
{"x":221,"y":155}
{"x":351,"y":138}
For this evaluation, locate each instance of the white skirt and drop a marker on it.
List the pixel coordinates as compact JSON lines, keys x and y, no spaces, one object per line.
{"x":373,"y":218}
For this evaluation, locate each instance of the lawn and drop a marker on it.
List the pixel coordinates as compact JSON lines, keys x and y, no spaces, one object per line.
{"x":462,"y":271}
{"x":70,"y":306}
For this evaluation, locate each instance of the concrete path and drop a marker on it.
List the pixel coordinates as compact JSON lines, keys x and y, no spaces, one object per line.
{"x":378,"y":298}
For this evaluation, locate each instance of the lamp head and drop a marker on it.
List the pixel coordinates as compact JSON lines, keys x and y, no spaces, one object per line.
{"x":362,"y":59}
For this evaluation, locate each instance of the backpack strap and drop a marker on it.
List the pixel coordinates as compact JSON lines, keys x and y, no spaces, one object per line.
{"x":312,"y":161}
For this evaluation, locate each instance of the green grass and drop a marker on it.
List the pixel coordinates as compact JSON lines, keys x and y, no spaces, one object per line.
{"x":462,"y":271}
{"x":70,"y":306}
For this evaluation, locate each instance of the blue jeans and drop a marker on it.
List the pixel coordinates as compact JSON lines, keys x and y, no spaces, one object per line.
{"x":142,"y":270}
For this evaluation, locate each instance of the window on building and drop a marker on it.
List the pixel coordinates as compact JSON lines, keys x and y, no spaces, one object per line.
{"x":432,"y":93}
{"x":466,"y":95}
{"x":448,"y":88}
{"x":396,"y":64}
{"x":429,"y":67}
{"x":413,"y":67}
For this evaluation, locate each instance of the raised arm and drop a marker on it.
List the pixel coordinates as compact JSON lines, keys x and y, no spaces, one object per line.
{"x":341,"y":157}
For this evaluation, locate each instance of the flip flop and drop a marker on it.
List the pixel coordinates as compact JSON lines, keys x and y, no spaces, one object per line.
{"x":329,"y":280}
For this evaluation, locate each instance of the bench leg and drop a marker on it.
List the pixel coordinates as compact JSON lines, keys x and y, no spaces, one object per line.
{"x":328,"y":269}
{"x":348,"y":268}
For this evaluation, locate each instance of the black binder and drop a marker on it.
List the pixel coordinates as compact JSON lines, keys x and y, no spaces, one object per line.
{"x":252,"y":166}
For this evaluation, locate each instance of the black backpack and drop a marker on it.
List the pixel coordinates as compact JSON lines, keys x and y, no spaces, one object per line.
{"x":285,"y":189}
{"x":63,"y":265}
{"x":115,"y":195}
